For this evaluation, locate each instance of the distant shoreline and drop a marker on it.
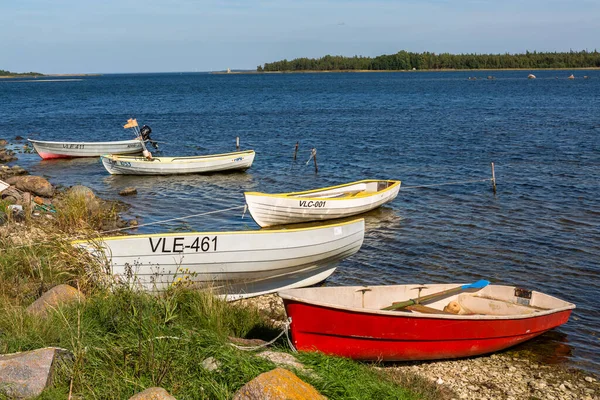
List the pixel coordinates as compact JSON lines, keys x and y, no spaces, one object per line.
{"x":45,"y":76}
{"x":395,"y":70}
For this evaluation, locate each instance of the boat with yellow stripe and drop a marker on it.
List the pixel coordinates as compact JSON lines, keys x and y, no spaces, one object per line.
{"x":320,"y":204}
{"x":128,"y":165}
{"x":233,"y":264}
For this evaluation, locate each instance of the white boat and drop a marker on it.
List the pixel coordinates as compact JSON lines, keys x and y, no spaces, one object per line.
{"x":48,"y":150}
{"x":320,"y":204}
{"x":128,"y":165}
{"x":234,"y":264}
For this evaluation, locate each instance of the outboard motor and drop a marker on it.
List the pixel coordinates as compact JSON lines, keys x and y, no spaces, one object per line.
{"x":146,"y":131}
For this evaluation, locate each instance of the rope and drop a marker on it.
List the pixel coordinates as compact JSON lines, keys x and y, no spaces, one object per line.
{"x":447,"y":183}
{"x":260,"y":346}
{"x":172,"y":219}
{"x":137,"y":226}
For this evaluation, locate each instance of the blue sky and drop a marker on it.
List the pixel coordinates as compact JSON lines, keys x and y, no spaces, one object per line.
{"x":68,"y":36}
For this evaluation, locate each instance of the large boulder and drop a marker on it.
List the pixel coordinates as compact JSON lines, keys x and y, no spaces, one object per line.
{"x":53,"y":298}
{"x":153,"y":393}
{"x":31,"y":183}
{"x":83,"y":191}
{"x":278,"y":384}
{"x":25,"y":375}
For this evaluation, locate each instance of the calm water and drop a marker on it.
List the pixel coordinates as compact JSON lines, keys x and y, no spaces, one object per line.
{"x":541,"y":230}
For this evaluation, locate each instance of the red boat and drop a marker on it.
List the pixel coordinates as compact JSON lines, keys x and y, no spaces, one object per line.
{"x":429,"y":321}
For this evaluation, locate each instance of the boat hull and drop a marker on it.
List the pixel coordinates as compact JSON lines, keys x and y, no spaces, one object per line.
{"x":402,"y":336}
{"x":50,"y":150}
{"x":118,"y":165}
{"x":320,"y":204}
{"x":234,"y":264}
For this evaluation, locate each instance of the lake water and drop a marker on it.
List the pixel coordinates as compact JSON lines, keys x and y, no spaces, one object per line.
{"x":540,"y":231}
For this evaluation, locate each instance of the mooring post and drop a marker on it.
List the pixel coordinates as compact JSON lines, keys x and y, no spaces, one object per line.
{"x":493,"y":179}
{"x":296,"y":150}
{"x":237,"y":142}
{"x":314,"y":156}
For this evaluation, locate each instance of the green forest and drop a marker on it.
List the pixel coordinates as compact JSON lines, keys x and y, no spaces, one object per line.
{"x":404,"y":61}
{"x":8,"y":73}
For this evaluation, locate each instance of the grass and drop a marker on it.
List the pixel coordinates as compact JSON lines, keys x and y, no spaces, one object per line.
{"x":125,"y":341}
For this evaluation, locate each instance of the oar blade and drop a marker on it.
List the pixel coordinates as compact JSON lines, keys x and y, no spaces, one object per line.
{"x":476,"y":285}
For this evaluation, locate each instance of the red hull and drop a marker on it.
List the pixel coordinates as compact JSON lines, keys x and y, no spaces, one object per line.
{"x":399,"y":337}
{"x":50,"y":156}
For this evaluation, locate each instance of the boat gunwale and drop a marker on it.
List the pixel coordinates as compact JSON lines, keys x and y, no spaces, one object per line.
{"x":117,"y":157}
{"x":295,"y":195}
{"x":388,"y":313}
{"x":257,"y":231}
{"x":128,"y":141}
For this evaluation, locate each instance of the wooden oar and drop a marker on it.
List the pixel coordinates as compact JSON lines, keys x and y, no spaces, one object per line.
{"x":402,"y":304}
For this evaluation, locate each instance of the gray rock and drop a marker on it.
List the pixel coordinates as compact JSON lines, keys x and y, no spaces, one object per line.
{"x":80,"y":190}
{"x":284,"y":360}
{"x":33,"y":184}
{"x":153,"y":393}
{"x":211,"y":364}
{"x":25,"y":375}
{"x":128,"y":191}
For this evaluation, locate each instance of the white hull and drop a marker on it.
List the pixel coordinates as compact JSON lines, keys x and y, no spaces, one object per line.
{"x":235,"y":264}
{"x":320,"y":204}
{"x":119,"y":165}
{"x":48,"y":150}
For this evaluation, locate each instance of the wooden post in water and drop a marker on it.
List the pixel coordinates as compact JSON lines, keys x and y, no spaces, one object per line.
{"x":296,"y":150}
{"x":314,"y":156}
{"x":237,"y":142}
{"x":493,"y":179}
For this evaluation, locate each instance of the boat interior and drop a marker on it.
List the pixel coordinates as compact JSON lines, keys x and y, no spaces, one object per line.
{"x":493,"y":300}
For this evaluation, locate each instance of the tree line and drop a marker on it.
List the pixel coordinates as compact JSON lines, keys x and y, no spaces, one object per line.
{"x":404,"y":60}
{"x":8,"y":73}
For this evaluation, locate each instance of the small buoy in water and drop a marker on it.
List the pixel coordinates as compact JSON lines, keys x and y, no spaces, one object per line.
{"x":586,"y":77}
{"x":572,"y":76}
{"x":531,"y":76}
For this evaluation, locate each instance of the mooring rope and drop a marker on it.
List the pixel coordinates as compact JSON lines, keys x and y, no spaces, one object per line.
{"x":172,"y":219}
{"x":285,"y":330}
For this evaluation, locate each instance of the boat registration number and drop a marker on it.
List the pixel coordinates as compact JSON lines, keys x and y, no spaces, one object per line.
{"x":73,"y":146}
{"x":121,"y":163}
{"x":311,"y":203}
{"x":180,"y":244}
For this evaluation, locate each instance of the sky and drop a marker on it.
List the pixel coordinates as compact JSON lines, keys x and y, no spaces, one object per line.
{"x":123,"y":36}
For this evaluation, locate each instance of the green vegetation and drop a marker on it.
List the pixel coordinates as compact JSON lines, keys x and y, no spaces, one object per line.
{"x":8,"y":73}
{"x":124,"y":340}
{"x":404,"y":60}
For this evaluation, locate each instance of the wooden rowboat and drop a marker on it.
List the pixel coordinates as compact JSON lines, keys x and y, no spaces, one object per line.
{"x":351,"y":322}
{"x":49,"y":150}
{"x":127,"y":165}
{"x":320,"y":204}
{"x":234,"y":264}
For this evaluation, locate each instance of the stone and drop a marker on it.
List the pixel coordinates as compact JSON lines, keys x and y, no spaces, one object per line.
{"x":80,"y":190}
{"x":247,"y":342}
{"x":25,"y":375}
{"x":153,"y":393}
{"x":3,"y":142}
{"x":589,"y":379}
{"x":278,"y":384}
{"x":31,"y":183}
{"x":283,"y":360}
{"x":55,"y":297}
{"x":17,"y":170}
{"x":128,"y":191}
{"x":11,"y":195}
{"x":210,"y":364}
{"x":18,"y":137}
